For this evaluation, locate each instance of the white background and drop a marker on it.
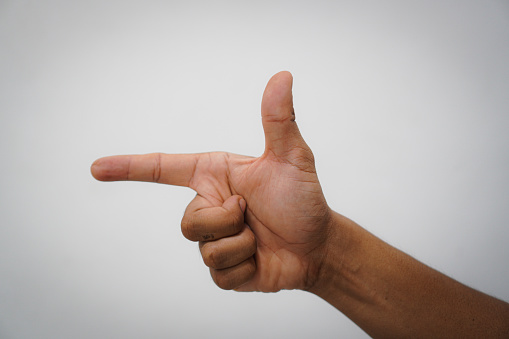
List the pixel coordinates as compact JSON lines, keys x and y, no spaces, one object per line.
{"x":404,"y":103}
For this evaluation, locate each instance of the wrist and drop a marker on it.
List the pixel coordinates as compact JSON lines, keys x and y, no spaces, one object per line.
{"x":335,"y":251}
{"x":343,"y":278}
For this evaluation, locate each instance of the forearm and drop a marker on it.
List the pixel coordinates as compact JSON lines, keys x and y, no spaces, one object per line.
{"x":390,"y":294}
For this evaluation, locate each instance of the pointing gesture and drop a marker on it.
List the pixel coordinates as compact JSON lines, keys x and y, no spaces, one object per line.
{"x":263,"y":225}
{"x":261,"y":222}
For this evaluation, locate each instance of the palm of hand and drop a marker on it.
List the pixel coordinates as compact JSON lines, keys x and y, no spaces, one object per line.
{"x":286,"y":209}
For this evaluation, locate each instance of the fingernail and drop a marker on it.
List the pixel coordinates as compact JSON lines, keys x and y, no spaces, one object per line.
{"x":242,"y":204}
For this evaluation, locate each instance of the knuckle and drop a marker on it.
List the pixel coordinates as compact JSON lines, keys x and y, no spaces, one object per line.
{"x":188,"y":227}
{"x":304,"y":158}
{"x":156,"y":174}
{"x":306,"y":154}
{"x":212,"y":257}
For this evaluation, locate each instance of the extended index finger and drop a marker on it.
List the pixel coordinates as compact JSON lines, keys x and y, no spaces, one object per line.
{"x":171,"y":169}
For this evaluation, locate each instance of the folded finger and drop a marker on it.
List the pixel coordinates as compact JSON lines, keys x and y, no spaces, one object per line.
{"x":203,"y":222}
{"x":232,"y":277}
{"x":229,"y":251}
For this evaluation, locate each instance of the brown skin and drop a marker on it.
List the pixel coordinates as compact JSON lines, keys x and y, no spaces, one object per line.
{"x":263,"y":225}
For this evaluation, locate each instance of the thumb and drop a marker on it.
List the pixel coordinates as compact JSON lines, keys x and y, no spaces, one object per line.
{"x":278,"y":116}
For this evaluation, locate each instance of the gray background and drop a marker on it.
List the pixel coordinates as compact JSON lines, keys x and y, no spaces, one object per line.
{"x":405,"y":104}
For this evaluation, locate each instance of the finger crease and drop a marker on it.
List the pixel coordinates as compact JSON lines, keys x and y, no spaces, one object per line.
{"x":156,"y":175}
{"x":128,"y":168}
{"x":190,"y":183}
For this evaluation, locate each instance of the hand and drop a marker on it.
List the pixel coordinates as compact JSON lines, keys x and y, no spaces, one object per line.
{"x":262,"y":222}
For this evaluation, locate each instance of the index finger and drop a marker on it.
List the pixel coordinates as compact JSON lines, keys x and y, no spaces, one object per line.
{"x":171,"y":169}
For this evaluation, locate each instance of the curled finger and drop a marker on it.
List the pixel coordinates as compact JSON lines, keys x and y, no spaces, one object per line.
{"x":204,"y":222}
{"x":232,"y":277}
{"x":229,"y":251}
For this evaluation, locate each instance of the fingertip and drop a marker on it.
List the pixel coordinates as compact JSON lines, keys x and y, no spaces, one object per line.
{"x":278,"y":91}
{"x":107,"y":169}
{"x":283,"y":75}
{"x":95,"y":169}
{"x":278,"y":115}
